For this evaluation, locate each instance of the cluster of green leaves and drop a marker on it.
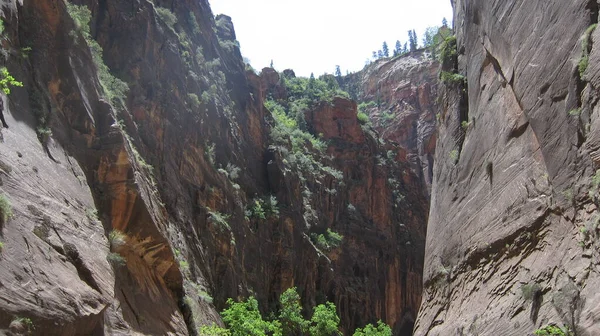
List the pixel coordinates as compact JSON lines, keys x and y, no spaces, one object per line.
{"x":328,"y":240}
{"x":7,"y":80}
{"x":116,"y":239}
{"x":434,"y":38}
{"x":454,"y":155}
{"x":553,"y":330}
{"x":381,"y":329}
{"x":114,"y":88}
{"x":244,"y":319}
{"x":452,"y":78}
{"x":529,"y":291}
{"x":263,"y":208}
{"x":166,"y":16}
{"x":448,"y":50}
{"x":26,"y":322}
{"x":5,"y":210}
{"x":308,"y":91}
{"x":219,"y":219}
{"x":585,"y":46}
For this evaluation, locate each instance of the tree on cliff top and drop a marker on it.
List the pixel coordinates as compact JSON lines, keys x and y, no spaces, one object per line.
{"x":412,"y":40}
{"x":385,"y":49}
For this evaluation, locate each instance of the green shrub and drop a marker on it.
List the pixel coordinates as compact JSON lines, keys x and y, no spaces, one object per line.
{"x":244,"y":319}
{"x":263,"y":208}
{"x":381,"y":329}
{"x":448,"y":50}
{"x":553,"y":330}
{"x":116,"y":239}
{"x":5,"y":209}
{"x":219,"y":219}
{"x":209,"y":153}
{"x":328,"y":240}
{"x":290,"y":313}
{"x":194,"y":100}
{"x":452,"y":78}
{"x":114,"y":88}
{"x":1,"y":246}
{"x":465,"y":125}
{"x":25,"y":322}
{"x":166,"y":16}
{"x":7,"y":80}
{"x":454,"y":155}
{"x":213,"y":330}
{"x":115,"y":259}
{"x":325,"y":321}
{"x":585,"y":46}
{"x":363,"y":118}
{"x":575,"y":112}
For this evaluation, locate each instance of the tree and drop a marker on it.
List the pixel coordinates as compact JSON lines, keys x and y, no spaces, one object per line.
{"x":325,"y":321}
{"x":385,"y":49}
{"x":398,"y":48}
{"x":338,"y":72}
{"x":271,"y":65}
{"x":382,"y":329}
{"x":412,"y":38}
{"x":290,"y":314}
{"x":444,"y":22}
{"x":244,"y":319}
{"x":405,"y":48}
{"x":379,"y":54}
{"x":374,"y":54}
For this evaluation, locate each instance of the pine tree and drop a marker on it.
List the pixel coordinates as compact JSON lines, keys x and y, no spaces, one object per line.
{"x":271,"y":66}
{"x":413,"y":40}
{"x":386,"y":50}
{"x":338,"y":72}
{"x":379,"y":54}
{"x":398,"y":48}
{"x":405,"y":48}
{"x":444,"y":22}
{"x":374,"y":54}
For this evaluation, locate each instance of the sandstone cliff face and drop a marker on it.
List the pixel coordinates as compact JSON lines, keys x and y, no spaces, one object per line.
{"x":157,"y":164}
{"x":404,"y":93}
{"x":512,"y":235}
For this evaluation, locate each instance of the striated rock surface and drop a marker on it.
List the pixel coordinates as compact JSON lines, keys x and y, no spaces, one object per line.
{"x":173,"y":162}
{"x":403,"y":92}
{"x":512,"y":238}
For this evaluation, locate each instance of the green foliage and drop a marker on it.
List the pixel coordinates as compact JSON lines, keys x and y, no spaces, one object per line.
{"x":184,"y":266}
{"x":325,"y":321}
{"x":209,"y":153}
{"x":290,"y":314}
{"x":194,"y":100}
{"x":244,"y":319}
{"x":1,"y":246}
{"x":228,"y":45}
{"x":553,"y":330}
{"x":213,"y":330}
{"x":116,"y":239}
{"x":263,"y":208}
{"x":453,"y":155}
{"x":166,"y":16}
{"x":585,"y":46}
{"x":448,"y":50}
{"x":363,"y":118}
{"x":5,"y":209}
{"x":115,"y":259}
{"x":465,"y":125}
{"x":219,"y":219}
{"x":381,"y":329}
{"x":327,"y":241}
{"x":575,"y":112}
{"x":26,"y":322}
{"x":233,"y":171}
{"x":114,"y":88}
{"x":1,"y":26}
{"x":452,"y":78}
{"x":7,"y":80}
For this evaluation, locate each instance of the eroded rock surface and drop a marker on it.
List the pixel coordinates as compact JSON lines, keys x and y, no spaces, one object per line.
{"x":512,"y":235}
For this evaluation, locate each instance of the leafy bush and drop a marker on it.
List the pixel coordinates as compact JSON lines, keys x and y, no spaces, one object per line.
{"x":363,"y":118}
{"x":553,"y":330}
{"x":219,"y":219}
{"x":213,"y":330}
{"x":114,"y":88}
{"x":263,"y":208}
{"x":116,"y":239}
{"x":585,"y":46}
{"x":115,"y":259}
{"x":244,"y":319}
{"x":209,"y":153}
{"x":529,"y":291}
{"x":453,"y":155}
{"x":290,"y":314}
{"x":448,"y":50}
{"x":7,"y":80}
{"x":194,"y":100}
{"x":1,"y":246}
{"x":327,"y":241}
{"x":5,"y":209}
{"x":325,"y":321}
{"x":381,"y":329}
{"x":452,"y":78}
{"x":166,"y":16}
{"x":25,"y":322}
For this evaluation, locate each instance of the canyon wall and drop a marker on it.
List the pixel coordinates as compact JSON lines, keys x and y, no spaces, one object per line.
{"x":143,"y":121}
{"x":512,"y":239}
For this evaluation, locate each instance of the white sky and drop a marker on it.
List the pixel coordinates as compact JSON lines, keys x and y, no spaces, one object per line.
{"x":315,"y":35}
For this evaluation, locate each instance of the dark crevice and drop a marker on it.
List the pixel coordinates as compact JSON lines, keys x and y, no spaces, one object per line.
{"x":84,"y":273}
{"x":592,"y":7}
{"x":518,"y":131}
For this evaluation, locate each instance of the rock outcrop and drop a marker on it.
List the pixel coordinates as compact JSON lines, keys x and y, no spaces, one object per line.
{"x":403,"y":96}
{"x":512,"y":235}
{"x":134,"y":150}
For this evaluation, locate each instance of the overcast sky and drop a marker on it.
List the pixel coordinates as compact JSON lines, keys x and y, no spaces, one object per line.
{"x":316,"y":35}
